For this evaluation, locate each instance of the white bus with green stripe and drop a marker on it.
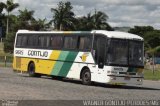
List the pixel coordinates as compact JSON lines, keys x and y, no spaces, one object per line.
{"x":91,"y":56}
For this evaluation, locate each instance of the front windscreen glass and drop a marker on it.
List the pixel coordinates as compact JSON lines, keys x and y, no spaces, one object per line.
{"x":118,"y":52}
{"x":136,"y":53}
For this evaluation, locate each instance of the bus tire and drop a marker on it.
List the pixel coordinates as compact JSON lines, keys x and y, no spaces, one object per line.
{"x":31,"y":70}
{"x":86,"y":77}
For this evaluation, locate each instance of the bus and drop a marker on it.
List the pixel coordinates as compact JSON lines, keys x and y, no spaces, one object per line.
{"x":110,"y":57}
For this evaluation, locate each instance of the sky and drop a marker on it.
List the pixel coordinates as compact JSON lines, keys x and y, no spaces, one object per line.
{"x":128,"y":13}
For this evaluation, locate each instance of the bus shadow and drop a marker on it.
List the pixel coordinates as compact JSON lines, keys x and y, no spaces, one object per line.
{"x":94,"y":84}
{"x":130,"y":87}
{"x":111,"y":86}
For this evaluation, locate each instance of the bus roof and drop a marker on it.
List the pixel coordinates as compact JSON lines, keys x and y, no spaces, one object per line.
{"x":118,"y":34}
{"x":109,"y":34}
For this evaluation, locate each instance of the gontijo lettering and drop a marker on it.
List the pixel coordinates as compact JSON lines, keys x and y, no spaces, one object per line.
{"x":37,"y":53}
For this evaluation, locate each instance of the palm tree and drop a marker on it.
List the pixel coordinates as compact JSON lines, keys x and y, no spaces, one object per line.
{"x":40,"y":24}
{"x":96,"y":21}
{"x":25,"y":18}
{"x":63,"y":16}
{"x":25,"y":15}
{"x":99,"y":20}
{"x":10,"y":6}
{"x":2,"y":5}
{"x":85,"y":23}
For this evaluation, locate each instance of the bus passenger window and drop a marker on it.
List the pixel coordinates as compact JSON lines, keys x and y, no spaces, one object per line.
{"x":24,"y":41}
{"x":70,"y":42}
{"x":56,"y":42}
{"x":19,"y":40}
{"x":84,"y":43}
{"x":32,"y":41}
{"x":41,"y":41}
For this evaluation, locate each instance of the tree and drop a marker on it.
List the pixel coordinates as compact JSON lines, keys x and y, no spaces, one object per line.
{"x":2,"y":19}
{"x":85,"y":23}
{"x":10,"y":6}
{"x":145,"y":32}
{"x":40,"y":24}
{"x":97,"y":21}
{"x":63,"y":16}
{"x":141,"y":30}
{"x":25,"y":19}
{"x":2,"y":6}
{"x":9,"y":42}
{"x":152,"y":39}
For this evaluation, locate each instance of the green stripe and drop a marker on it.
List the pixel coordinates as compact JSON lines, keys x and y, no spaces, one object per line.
{"x":63,"y":55}
{"x":58,"y":65}
{"x":57,"y":68}
{"x":67,"y":65}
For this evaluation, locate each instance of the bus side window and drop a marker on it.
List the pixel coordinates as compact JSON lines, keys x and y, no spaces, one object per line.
{"x":70,"y":42}
{"x":47,"y":41}
{"x":18,"y":41}
{"x":24,"y":41}
{"x":41,"y":41}
{"x":84,"y":43}
{"x":56,"y":42}
{"x":32,"y":40}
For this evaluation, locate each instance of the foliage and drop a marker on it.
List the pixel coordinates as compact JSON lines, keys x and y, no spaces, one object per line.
{"x":63,"y":19}
{"x":63,"y":16}
{"x":152,"y":38}
{"x":9,"y":6}
{"x":2,"y":5}
{"x":141,"y":30}
{"x":24,"y":20}
{"x":84,"y":23}
{"x":97,"y":21}
{"x":9,"y":42}
{"x":150,"y":35}
{"x":2,"y":18}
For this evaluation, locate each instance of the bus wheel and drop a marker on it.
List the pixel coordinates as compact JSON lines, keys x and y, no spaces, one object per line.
{"x":31,"y":70}
{"x":86,"y":77}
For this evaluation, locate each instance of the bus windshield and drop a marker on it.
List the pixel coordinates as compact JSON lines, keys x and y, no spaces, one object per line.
{"x":136,"y":53}
{"x":118,"y":52}
{"x":125,"y":52}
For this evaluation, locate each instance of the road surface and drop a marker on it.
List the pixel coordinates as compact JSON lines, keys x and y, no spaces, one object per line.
{"x":15,"y":86}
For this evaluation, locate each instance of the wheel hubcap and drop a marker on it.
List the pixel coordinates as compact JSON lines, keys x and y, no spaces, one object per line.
{"x":86,"y":77}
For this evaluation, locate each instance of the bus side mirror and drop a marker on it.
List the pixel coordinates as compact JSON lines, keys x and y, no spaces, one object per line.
{"x":100,"y":65}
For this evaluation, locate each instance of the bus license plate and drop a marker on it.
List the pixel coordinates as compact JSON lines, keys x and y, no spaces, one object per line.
{"x":127,"y":78}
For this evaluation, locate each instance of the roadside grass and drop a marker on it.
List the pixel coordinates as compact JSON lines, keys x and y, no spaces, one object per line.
{"x":148,"y":74}
{"x":1,"y":48}
{"x":5,"y":58}
{"x":2,"y":53}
